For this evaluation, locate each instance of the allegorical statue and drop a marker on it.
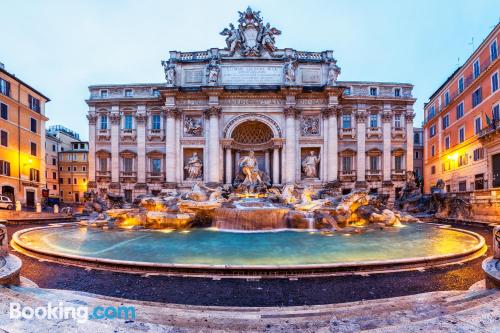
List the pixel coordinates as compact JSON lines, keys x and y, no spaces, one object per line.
{"x":333,"y":73}
{"x":266,"y":37}
{"x":213,"y":72}
{"x":169,"y":69}
{"x":193,"y":127}
{"x":194,"y":167}
{"x":233,"y":38}
{"x":289,"y":71}
{"x":250,"y":169}
{"x":310,"y":165}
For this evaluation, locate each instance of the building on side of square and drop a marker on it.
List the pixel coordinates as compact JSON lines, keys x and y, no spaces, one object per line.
{"x":216,"y":106}
{"x":65,"y":150}
{"x":418,"y":152}
{"x":22,"y":139}
{"x":461,"y":124}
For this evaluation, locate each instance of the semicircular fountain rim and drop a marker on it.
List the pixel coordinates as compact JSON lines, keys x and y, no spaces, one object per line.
{"x":370,"y":264}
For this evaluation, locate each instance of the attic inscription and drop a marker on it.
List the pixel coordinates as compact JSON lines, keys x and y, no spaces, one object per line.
{"x":251,"y":75}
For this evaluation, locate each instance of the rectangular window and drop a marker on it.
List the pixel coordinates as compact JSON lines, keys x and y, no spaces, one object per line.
{"x":461,"y":84}
{"x":477,"y":69}
{"x":128,"y":92}
{"x":477,"y":125}
{"x":34,"y":175}
{"x":417,"y":155}
{"x":346,"y":121}
{"x":494,"y":82}
{"x":462,"y":186}
{"x":373,"y":91}
{"x":460,"y":110}
{"x":346,"y":163}
{"x":61,"y":180}
{"x":156,"y":165}
{"x":432,"y":112}
{"x":397,"y":92}
{"x":127,"y":164}
{"x":53,"y":147}
{"x":103,"y":164}
{"x":33,"y":126}
{"x":476,"y":97}
{"x":373,"y":120}
{"x":416,"y":138}
{"x":54,"y":187}
{"x":462,"y":160}
{"x":478,"y":154}
{"x":432,"y":131}
{"x":74,"y":168}
{"x":74,"y":181}
{"x":156,"y":122}
{"x":33,"y":148}
{"x":54,"y":162}
{"x":433,"y":170}
{"x":373,"y":163}
{"x":104,"y":94}
{"x":128,"y":122}
{"x":446,"y":98}
{"x":397,"y":120}
{"x":347,"y":91}
{"x":155,"y":92}
{"x":4,"y":87}
{"x":4,"y":168}
{"x":496,"y":112}
{"x":4,"y":138}
{"x":446,"y":121}
{"x":398,"y":163}
{"x":104,"y":122}
{"x":69,"y":180}
{"x":4,"y":111}
{"x":34,"y":103}
{"x":461,"y":134}
{"x":493,"y":51}
{"x":447,"y":142}
{"x":84,"y":168}
{"x":54,"y":175}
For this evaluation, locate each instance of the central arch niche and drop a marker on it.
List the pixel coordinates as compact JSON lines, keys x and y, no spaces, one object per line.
{"x":252,"y":132}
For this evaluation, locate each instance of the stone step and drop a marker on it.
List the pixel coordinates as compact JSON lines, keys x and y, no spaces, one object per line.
{"x":374,"y":315}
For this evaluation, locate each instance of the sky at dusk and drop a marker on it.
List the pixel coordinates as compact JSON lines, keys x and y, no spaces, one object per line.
{"x":62,"y":47}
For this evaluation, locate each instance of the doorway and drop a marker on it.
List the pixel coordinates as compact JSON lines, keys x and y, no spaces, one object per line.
{"x":495,"y":170}
{"x":30,"y":198}
{"x":77,"y":197}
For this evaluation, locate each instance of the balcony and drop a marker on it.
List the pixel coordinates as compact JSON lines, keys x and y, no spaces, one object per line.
{"x":103,"y":176}
{"x":155,"y":177}
{"x":398,"y":132}
{"x":156,"y":134}
{"x":128,"y":176}
{"x":373,"y":175}
{"x":103,"y":135}
{"x":374,"y":132}
{"x":398,"y":174}
{"x":128,"y":135}
{"x":490,"y":130}
{"x":347,"y":175}
{"x":347,"y":132}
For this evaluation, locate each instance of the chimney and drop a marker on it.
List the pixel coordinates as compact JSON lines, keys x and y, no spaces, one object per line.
{"x":2,"y":66}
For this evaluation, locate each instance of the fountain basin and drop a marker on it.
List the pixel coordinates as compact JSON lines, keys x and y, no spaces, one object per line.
{"x":218,"y":252}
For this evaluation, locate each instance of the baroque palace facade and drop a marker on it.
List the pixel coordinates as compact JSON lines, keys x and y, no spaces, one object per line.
{"x":287,"y":106}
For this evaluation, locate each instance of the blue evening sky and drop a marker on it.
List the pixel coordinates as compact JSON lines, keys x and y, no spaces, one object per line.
{"x":62,"y":47}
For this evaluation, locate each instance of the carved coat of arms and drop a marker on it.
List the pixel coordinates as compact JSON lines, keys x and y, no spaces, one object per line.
{"x":252,"y":36}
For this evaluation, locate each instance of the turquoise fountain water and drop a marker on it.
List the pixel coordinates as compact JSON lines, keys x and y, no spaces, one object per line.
{"x":215,"y":247}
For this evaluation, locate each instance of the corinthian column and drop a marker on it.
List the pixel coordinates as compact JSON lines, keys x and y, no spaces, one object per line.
{"x":361,"y":146}
{"x":330,"y":115}
{"x":213,"y":168}
{"x":409,"y":138}
{"x":290,"y":144}
{"x":92,"y":118}
{"x":276,"y":165}
{"x":115,"y":146}
{"x":140,"y":119}
{"x":386,"y":130}
{"x":170,"y":145}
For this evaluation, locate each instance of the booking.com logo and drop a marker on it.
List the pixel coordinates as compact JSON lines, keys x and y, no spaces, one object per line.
{"x":79,"y":313}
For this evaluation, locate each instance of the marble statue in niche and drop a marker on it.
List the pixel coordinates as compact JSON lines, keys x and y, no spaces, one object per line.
{"x":289,"y":71}
{"x":310,"y":165}
{"x":310,"y":126}
{"x":213,"y":71}
{"x":333,"y":73}
{"x":193,"y":126}
{"x":194,"y":167}
{"x":169,"y":68}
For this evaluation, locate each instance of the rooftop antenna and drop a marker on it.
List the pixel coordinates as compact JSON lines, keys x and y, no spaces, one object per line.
{"x":458,"y":62}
